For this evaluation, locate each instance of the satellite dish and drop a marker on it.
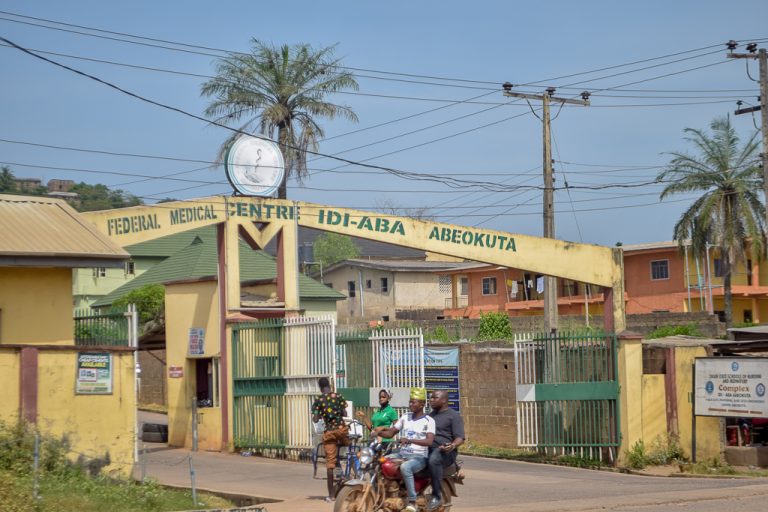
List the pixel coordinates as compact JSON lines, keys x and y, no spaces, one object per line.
{"x":254,"y":166}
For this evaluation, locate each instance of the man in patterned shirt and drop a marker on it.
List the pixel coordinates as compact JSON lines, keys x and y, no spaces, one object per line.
{"x":330,"y":407}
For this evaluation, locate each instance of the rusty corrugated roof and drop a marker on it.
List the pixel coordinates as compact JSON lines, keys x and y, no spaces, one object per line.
{"x":42,"y":227}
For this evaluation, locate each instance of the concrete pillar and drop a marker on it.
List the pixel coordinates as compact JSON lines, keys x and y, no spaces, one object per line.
{"x":630,"y":374}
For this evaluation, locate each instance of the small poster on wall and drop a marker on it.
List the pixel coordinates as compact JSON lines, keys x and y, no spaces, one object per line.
{"x":196,"y":341}
{"x":94,"y":373}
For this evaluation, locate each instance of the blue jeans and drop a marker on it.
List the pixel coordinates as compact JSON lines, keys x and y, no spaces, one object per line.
{"x":413,"y":464}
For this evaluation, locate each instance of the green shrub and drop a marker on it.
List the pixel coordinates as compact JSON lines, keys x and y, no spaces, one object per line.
{"x":664,"y":450}
{"x":636,"y":456}
{"x":674,"y":330}
{"x":149,"y":300}
{"x":439,"y":334}
{"x":494,"y":326}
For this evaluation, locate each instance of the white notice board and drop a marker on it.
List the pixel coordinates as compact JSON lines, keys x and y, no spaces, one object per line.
{"x":731,"y":386}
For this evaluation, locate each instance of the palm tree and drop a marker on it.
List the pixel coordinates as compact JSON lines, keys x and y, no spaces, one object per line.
{"x":280,"y":89}
{"x":729,"y":212}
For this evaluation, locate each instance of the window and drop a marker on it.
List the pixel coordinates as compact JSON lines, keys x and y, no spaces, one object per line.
{"x":719,"y":270}
{"x":654,"y":360}
{"x":659,"y":270}
{"x":368,"y":284}
{"x":747,"y":316}
{"x":749,"y":272}
{"x":130,"y":268}
{"x":351,"y":288}
{"x":385,"y":318}
{"x":207,"y":382}
{"x":444,"y":284}
{"x":570,"y":288}
{"x":99,"y":272}
{"x":489,"y":286}
{"x":464,"y":286}
{"x":384,"y":285}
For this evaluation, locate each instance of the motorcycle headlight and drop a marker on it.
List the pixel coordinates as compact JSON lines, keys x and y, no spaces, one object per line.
{"x":366,"y":456}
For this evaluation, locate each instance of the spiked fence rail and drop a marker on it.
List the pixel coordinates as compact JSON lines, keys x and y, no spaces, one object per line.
{"x":567,"y":393}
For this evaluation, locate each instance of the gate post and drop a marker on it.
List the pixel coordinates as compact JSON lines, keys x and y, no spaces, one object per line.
{"x":630,"y":367}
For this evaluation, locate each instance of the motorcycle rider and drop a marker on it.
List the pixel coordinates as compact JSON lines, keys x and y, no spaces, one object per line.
{"x":330,"y":407}
{"x":449,"y":435}
{"x":417,"y":434}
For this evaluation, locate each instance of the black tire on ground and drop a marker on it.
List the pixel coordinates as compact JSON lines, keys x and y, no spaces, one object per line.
{"x":154,"y":437}
{"x":154,"y":427}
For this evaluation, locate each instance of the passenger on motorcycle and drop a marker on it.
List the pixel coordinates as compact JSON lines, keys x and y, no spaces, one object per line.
{"x":449,"y":435}
{"x":417,"y":434}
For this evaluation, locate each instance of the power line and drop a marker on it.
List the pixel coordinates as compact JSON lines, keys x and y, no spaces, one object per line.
{"x":405,"y":175}
{"x":220,"y":51}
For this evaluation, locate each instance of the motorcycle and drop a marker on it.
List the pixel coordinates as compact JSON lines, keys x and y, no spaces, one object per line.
{"x":381,"y":486}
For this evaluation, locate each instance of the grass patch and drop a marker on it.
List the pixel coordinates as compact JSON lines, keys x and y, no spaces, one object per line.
{"x":715,"y":466}
{"x":664,"y":450}
{"x":64,"y":486}
{"x":572,"y":460}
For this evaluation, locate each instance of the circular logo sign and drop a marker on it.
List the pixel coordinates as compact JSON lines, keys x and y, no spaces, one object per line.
{"x":254,"y":166}
{"x":709,"y":387}
{"x":734,"y":366}
{"x":760,"y":389}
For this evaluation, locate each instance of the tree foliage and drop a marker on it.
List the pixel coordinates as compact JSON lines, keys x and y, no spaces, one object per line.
{"x":280,"y":90}
{"x":330,"y":248}
{"x":494,"y":326}
{"x":99,"y":197}
{"x":7,"y":185}
{"x":149,"y":300}
{"x":729,"y":210}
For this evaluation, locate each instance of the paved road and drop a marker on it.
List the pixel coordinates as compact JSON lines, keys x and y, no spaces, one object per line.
{"x":491,"y":485}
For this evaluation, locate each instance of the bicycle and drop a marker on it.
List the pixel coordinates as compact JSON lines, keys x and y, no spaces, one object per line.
{"x":347,"y":462}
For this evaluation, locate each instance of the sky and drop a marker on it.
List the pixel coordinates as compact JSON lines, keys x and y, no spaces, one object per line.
{"x":429,"y":101}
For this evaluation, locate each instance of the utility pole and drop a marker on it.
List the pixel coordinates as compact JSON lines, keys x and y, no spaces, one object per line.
{"x":550,"y":283}
{"x":762,"y":57}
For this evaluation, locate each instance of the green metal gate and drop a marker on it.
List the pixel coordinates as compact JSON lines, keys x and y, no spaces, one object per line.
{"x":101,"y":327}
{"x":567,"y":393}
{"x":275,"y":367}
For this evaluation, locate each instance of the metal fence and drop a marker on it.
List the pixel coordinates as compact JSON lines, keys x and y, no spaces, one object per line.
{"x":101,"y":327}
{"x":567,"y":393}
{"x":275,"y":367}
{"x":398,"y":358}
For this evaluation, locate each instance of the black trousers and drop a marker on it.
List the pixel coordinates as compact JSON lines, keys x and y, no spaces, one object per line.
{"x":438,"y":461}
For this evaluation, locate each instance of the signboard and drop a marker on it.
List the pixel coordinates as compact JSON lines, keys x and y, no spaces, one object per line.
{"x":441,"y":371}
{"x":175,"y":372}
{"x":94,"y":373}
{"x":254,"y":166}
{"x":731,"y":387}
{"x":196,"y":341}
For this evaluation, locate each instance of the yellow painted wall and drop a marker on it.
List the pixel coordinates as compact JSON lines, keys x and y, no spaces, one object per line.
{"x":9,"y":380}
{"x":654,"y":408}
{"x":96,"y":425}
{"x":630,"y":392}
{"x":708,"y":430}
{"x":190,"y":305}
{"x":36,"y":305}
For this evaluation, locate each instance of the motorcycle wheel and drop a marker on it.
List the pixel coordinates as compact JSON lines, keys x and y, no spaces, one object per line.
{"x":350,"y":499}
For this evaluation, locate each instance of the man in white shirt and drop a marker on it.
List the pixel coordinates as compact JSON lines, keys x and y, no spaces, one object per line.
{"x":417,"y":431}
